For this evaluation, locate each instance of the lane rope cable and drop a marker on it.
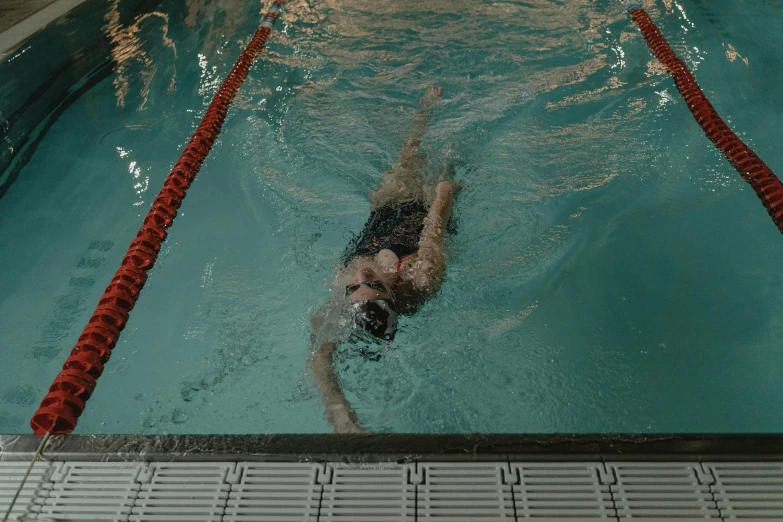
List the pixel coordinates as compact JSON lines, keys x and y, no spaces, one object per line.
{"x":26,"y":475}
{"x":752,"y":169}
{"x":64,"y":403}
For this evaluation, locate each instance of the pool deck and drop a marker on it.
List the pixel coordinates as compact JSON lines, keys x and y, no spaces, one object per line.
{"x":20,"y":19}
{"x":396,"y":477}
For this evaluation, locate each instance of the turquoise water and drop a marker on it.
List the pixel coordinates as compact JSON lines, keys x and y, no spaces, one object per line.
{"x":611,"y":272}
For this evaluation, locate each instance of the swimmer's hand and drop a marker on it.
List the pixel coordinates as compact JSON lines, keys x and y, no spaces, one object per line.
{"x":448,"y":188}
{"x":343,"y":419}
{"x":431,"y":96}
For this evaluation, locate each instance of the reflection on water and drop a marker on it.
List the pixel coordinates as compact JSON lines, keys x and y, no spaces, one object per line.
{"x":220,"y":22}
{"x":127,"y":47}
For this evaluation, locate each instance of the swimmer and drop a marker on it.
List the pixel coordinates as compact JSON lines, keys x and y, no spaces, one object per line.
{"x":394,"y":266}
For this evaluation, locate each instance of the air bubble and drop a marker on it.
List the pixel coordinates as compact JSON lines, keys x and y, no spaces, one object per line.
{"x":179,"y":416}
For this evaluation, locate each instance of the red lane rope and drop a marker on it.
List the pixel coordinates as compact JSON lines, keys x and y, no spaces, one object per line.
{"x":764,"y":182}
{"x":65,"y":402}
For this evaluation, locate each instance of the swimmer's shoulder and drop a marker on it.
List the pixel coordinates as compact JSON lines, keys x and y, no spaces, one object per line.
{"x":421,"y":275}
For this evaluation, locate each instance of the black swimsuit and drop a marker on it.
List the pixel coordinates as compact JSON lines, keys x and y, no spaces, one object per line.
{"x":396,"y":227}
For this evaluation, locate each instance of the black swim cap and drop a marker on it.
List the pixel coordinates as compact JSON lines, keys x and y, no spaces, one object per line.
{"x":377,"y":317}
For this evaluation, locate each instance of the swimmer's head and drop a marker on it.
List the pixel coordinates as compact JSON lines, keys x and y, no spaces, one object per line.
{"x":377,"y":317}
{"x":373,"y":306}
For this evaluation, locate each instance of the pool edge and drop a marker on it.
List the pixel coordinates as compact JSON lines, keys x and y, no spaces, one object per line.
{"x":17,"y":34}
{"x":398,"y":447}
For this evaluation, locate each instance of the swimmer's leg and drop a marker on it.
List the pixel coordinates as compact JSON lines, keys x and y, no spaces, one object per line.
{"x":404,"y":181}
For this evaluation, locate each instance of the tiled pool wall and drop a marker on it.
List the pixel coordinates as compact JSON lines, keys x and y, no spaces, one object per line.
{"x":45,"y":73}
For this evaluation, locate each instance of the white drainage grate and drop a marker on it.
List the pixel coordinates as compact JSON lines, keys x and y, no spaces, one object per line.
{"x":465,"y":492}
{"x":562,"y":492}
{"x":34,"y":491}
{"x":390,"y":492}
{"x":183,"y":491}
{"x":748,"y":490}
{"x":662,"y":492}
{"x":368,"y":492}
{"x":95,"y":491}
{"x":274,"y":492}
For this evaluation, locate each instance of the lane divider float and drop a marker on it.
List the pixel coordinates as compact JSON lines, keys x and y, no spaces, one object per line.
{"x":752,"y":169}
{"x":64,"y":403}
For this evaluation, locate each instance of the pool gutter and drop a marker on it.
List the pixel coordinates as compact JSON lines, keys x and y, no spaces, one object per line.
{"x":398,"y":447}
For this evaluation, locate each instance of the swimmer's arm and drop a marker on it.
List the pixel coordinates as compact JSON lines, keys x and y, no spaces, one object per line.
{"x":317,"y":323}
{"x":338,"y":411}
{"x":430,"y":263}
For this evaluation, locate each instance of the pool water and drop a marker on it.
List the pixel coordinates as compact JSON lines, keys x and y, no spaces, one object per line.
{"x":611,"y":272}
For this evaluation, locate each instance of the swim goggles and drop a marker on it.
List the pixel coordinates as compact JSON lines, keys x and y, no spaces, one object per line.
{"x":375,"y":285}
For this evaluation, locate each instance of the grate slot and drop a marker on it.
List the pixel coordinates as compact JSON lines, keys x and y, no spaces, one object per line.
{"x":662,"y":491}
{"x":465,"y":491}
{"x":748,"y":490}
{"x":554,"y":492}
{"x":274,"y":492}
{"x":361,"y":492}
{"x":186,"y":490}
{"x":34,"y":492}
{"x":95,"y":491}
